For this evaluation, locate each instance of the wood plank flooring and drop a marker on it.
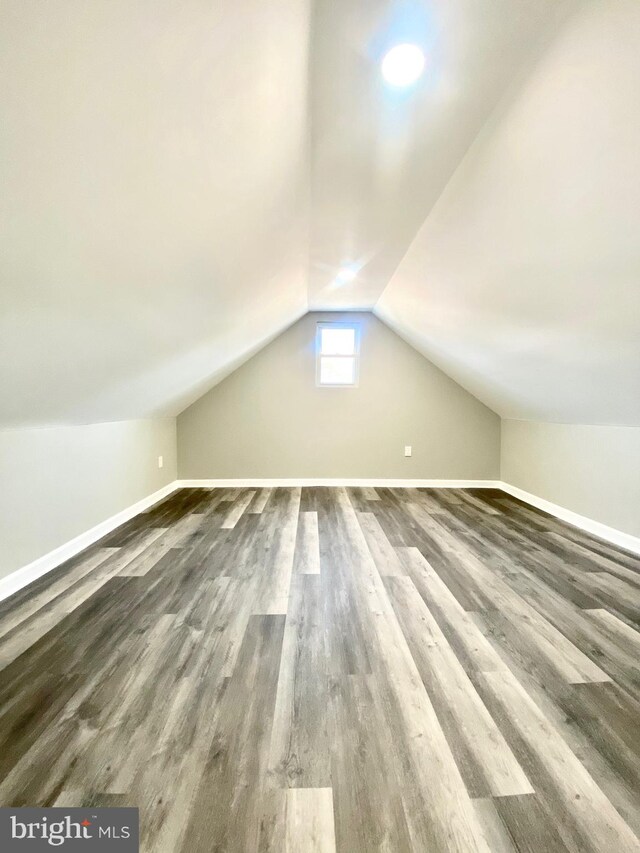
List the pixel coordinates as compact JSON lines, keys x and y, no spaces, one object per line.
{"x":327,"y":669}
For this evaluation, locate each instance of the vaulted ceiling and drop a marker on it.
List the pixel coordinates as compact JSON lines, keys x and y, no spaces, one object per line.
{"x":524,"y":280}
{"x":181,"y":180}
{"x":154,"y":199}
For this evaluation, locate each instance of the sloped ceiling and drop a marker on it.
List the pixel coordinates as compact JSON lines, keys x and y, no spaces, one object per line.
{"x":524,"y":281}
{"x":380,"y":156}
{"x":153,"y":210}
{"x":180,"y":180}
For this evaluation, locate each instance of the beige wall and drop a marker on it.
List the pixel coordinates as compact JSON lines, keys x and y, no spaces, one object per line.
{"x":268,"y":419}
{"x":591,"y":470}
{"x":59,"y":482}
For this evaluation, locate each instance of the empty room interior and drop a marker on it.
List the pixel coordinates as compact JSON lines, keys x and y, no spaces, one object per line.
{"x":320,"y":426}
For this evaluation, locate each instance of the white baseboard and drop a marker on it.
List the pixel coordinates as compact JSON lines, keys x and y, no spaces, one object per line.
{"x":27,"y":574}
{"x":31,"y":572}
{"x":596,"y":528}
{"x":339,"y":481}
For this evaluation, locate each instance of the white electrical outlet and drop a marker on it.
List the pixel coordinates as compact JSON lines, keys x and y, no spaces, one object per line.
{"x":407,"y":450}
{"x":160,"y":461}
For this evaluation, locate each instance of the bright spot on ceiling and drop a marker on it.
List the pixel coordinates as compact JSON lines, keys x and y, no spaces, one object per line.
{"x":403,"y":65}
{"x":346,"y":274}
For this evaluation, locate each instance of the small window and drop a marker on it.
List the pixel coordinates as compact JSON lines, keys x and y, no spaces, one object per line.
{"x":338,"y":349}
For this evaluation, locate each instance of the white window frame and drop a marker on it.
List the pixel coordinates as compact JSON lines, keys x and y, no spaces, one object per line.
{"x":338,"y":324}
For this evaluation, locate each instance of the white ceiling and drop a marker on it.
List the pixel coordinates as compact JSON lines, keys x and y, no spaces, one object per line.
{"x":180,"y":180}
{"x":381,"y":157}
{"x":153,"y":210}
{"x":524,"y":281}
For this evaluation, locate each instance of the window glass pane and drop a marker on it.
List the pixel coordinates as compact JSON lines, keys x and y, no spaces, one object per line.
{"x":337,"y":341}
{"x":337,"y":371}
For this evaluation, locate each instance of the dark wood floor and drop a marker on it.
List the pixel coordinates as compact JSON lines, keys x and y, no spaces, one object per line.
{"x":334,"y":669}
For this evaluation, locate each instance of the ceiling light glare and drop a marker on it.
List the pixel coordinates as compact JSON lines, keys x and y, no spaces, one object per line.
{"x":403,"y":65}
{"x":346,"y":274}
